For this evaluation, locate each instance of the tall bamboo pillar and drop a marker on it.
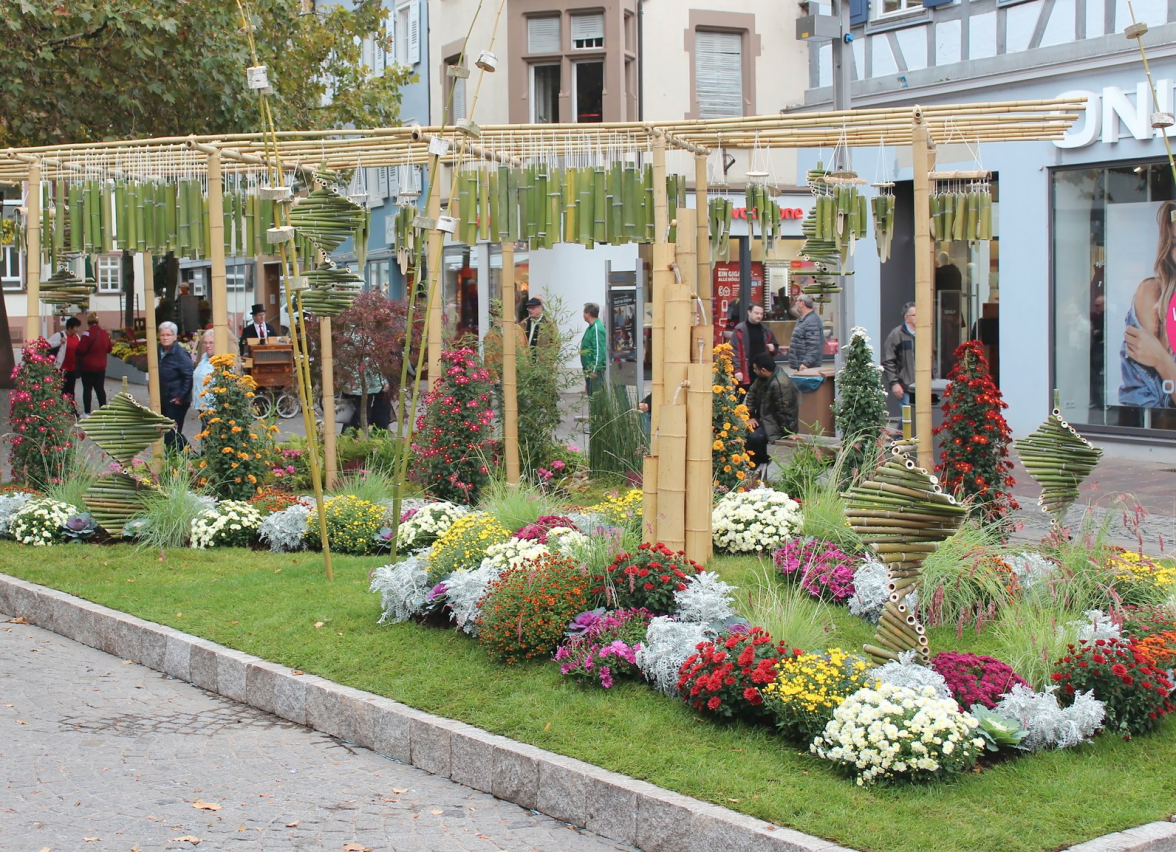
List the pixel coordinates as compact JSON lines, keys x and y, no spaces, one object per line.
{"x":152,"y":349}
{"x":924,"y":303}
{"x":328,"y":350}
{"x":662,"y":256}
{"x":510,"y":395}
{"x":702,"y":284}
{"x":33,"y":253}
{"x":434,"y":247}
{"x":216,"y":229}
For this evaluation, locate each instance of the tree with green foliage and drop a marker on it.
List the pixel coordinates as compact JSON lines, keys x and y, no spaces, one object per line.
{"x":90,"y":70}
{"x":861,"y":406}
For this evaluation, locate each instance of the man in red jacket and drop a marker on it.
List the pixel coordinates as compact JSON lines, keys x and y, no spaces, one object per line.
{"x":92,"y":351}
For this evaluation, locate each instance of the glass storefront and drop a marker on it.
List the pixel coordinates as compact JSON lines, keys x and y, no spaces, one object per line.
{"x":462,"y":267}
{"x":1114,"y":302}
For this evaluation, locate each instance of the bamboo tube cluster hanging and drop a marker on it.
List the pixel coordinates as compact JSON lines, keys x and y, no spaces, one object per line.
{"x":66,"y":290}
{"x":830,"y":230}
{"x":327,"y":218}
{"x":883,"y":206}
{"x":902,"y":514}
{"x":961,"y":210}
{"x":1058,"y":459}
{"x":721,"y":214}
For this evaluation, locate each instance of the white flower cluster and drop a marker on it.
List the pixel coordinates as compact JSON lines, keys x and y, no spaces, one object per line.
{"x":906,"y":672}
{"x":40,"y":522}
{"x":1047,"y":723}
{"x":232,"y":522}
{"x":1030,"y":568}
{"x":565,"y":540}
{"x":426,"y":525}
{"x":512,"y":552}
{"x":9,"y":504}
{"x":706,"y":599}
{"x":858,"y":331}
{"x":755,"y":521}
{"x":667,"y":645}
{"x":285,"y":531}
{"x":893,"y":732}
{"x":1096,"y":625}
{"x":402,"y":587}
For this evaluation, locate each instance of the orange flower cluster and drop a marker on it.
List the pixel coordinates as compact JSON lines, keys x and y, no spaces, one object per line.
{"x":732,"y":464}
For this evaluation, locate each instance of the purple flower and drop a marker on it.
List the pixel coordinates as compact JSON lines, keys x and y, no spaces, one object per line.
{"x":584,"y":621}
{"x":437,"y":591}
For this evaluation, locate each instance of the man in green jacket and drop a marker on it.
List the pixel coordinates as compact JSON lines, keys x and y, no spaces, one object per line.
{"x":593,"y":349}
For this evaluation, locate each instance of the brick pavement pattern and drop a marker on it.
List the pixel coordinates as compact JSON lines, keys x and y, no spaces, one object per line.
{"x":100,"y":754}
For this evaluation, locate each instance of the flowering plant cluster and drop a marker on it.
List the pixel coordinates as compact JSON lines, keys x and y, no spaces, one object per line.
{"x":42,"y":420}
{"x":463,"y":546}
{"x":896,"y":733}
{"x":538,"y":529}
{"x":754,"y":521}
{"x":619,"y":510}
{"x":1135,"y":693}
{"x":668,"y":644}
{"x":648,"y":578}
{"x":974,"y":460}
{"x":1159,"y":649}
{"x":824,"y":570}
{"x":271,"y":500}
{"x":454,"y":431}
{"x":235,"y":447}
{"x":231,"y":523}
{"x":419,"y":528}
{"x":1136,"y":577}
{"x":975,"y":678}
{"x":352,"y":524}
{"x":732,"y":464}
{"x":606,"y":650}
{"x":809,"y":687}
{"x":41,"y":522}
{"x":724,"y":678}
{"x":1144,"y":620}
{"x":526,"y":610}
{"x":512,"y":552}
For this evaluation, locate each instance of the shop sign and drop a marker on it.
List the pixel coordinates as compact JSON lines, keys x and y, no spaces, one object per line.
{"x":1112,"y":113}
{"x":785,"y":213}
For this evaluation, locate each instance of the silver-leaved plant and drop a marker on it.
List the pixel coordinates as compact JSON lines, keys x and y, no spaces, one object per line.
{"x":1049,"y":725}
{"x":667,"y":645}
{"x":402,"y":587}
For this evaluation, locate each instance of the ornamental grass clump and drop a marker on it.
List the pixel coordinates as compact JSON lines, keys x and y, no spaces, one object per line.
{"x":605,"y":651}
{"x":527,"y":609}
{"x":892,"y":733}
{"x":723,"y":678}
{"x":419,"y":528}
{"x":758,"y":521}
{"x":454,"y":432}
{"x":353,"y":525}
{"x":463,"y":546}
{"x":975,"y":678}
{"x":822,"y":568}
{"x":1135,"y":694}
{"x":729,"y":456}
{"x":231,"y":523}
{"x":648,"y":578}
{"x":42,"y":522}
{"x":236,"y":448}
{"x":809,"y":687}
{"x":42,"y":419}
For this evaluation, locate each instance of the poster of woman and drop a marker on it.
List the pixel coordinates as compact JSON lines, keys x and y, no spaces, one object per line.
{"x":1144,"y":294}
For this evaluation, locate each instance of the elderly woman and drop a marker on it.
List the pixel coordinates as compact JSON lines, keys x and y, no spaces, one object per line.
{"x":203,"y":371}
{"x":175,"y":383}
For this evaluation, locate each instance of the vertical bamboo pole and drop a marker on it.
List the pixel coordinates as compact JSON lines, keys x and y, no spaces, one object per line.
{"x":510,"y":396}
{"x":702,"y":239}
{"x":671,"y":476}
{"x":152,"y":351}
{"x":219,"y":288}
{"x":33,"y":253}
{"x":699,"y":470}
{"x":672,"y":454}
{"x":434,"y":248}
{"x":651,"y":509}
{"x":332,"y":459}
{"x":921,"y":159}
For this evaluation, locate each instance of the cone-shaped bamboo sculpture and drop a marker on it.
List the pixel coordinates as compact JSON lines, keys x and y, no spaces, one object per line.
{"x":1058,"y":459}
{"x":331,"y":291}
{"x":326,"y":218}
{"x":124,"y":427}
{"x":113,"y":499}
{"x":903,"y":515}
{"x":65,"y":289}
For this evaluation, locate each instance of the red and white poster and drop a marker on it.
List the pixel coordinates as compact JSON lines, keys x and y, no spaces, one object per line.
{"x":726,"y":295}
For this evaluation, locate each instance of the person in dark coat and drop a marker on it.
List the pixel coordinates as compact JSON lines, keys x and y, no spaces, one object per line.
{"x":257,"y":328}
{"x":175,"y":383}
{"x":749,"y":339}
{"x":773,"y":406}
{"x":807,"y":347}
{"x":93,"y":348}
{"x":898,"y":356}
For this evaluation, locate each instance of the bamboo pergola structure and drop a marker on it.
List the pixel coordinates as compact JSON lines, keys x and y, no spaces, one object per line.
{"x":678,"y":470}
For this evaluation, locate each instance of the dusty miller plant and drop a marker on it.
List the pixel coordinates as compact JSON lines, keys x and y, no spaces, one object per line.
{"x":1030,"y":568}
{"x":906,"y":672}
{"x":667,"y":646}
{"x":9,"y":504}
{"x":464,"y":591}
{"x":1048,"y":724}
{"x":285,"y":531}
{"x":1096,"y":625}
{"x":402,"y":587}
{"x":870,"y":592}
{"x":706,"y":600}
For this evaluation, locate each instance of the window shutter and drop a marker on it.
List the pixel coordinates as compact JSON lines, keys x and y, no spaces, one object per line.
{"x":414,"y":32}
{"x":718,"y":74}
{"x":381,"y":182}
{"x":543,"y":35}
{"x":859,"y":12}
{"x":587,"y":30}
{"x":458,"y":107}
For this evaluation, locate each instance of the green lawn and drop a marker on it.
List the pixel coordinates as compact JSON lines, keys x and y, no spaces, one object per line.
{"x":268,"y":605}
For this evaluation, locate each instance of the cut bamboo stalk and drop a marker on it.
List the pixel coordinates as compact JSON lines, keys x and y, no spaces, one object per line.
{"x":880,"y":655}
{"x":33,"y":253}
{"x":649,"y":507}
{"x":510,"y":397}
{"x":219,"y":282}
{"x":699,"y":467}
{"x":671,"y":477}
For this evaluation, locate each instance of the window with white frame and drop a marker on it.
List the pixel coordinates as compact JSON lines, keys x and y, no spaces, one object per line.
{"x":543,"y":35}
{"x":718,"y":73}
{"x":236,"y":278}
{"x":10,"y":260}
{"x":108,"y":271}
{"x":894,"y":7}
{"x":588,"y":31}
{"x":406,"y":39}
{"x":456,"y":100}
{"x":545,"y":93}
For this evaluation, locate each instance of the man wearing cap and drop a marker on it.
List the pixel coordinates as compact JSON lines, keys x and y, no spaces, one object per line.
{"x":257,"y":328}
{"x":534,"y":327}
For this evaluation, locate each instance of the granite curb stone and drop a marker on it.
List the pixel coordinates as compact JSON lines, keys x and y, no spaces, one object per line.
{"x":604,"y":802}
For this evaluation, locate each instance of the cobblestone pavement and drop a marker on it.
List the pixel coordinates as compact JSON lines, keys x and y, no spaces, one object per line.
{"x":100,"y":754}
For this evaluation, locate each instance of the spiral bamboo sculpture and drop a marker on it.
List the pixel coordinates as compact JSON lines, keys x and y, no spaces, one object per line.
{"x":903,"y":515}
{"x":1058,"y":459}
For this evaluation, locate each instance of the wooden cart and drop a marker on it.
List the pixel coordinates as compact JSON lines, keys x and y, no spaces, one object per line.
{"x":272,"y":367}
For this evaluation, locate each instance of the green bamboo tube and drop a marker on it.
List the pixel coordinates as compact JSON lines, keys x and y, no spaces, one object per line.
{"x":59,"y":219}
{"x":616,"y":201}
{"x":897,"y":628}
{"x":184,"y":225}
{"x":74,"y":200}
{"x":206,"y":226}
{"x":647,"y":207}
{"x":485,"y":221}
{"x":628,"y":205}
{"x":896,"y":639}
{"x":570,"y":198}
{"x":513,"y":205}
{"x":599,"y":206}
{"x":906,"y":491}
{"x":462,"y":204}
{"x":889,"y":643}
{"x":140,"y":216}
{"x":984,"y":223}
{"x":526,"y":211}
{"x":123,"y":226}
{"x":196,"y":217}
{"x":586,"y":208}
{"x":90,"y":213}
{"x":884,"y":655}
{"x":498,"y":197}
{"x":553,"y":219}
{"x":106,"y":213}
{"x":896,"y":584}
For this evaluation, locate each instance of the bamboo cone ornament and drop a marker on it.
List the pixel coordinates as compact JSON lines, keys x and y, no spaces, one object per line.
{"x":1059,"y":459}
{"x":113,"y":499}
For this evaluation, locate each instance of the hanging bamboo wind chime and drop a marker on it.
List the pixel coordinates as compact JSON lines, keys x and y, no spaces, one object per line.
{"x":832,"y":228}
{"x":902,"y":514}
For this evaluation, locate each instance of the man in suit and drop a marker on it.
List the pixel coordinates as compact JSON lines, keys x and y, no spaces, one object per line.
{"x":258,"y":328}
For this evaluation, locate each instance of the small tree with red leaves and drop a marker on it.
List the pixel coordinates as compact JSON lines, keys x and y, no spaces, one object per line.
{"x":974,"y":460}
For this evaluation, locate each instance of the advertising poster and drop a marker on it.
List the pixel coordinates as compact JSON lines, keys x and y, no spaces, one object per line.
{"x":622,"y":324}
{"x":726,"y":295}
{"x":1140,"y":363}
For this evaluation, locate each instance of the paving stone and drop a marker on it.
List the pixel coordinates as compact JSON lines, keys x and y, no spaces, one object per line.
{"x":516,"y":774}
{"x":612,"y":808}
{"x":430,"y":745}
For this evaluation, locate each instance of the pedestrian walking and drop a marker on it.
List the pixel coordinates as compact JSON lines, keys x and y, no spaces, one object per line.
{"x":93,"y":349}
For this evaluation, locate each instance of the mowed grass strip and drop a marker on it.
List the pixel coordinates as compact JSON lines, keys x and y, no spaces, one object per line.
{"x":269,"y":605}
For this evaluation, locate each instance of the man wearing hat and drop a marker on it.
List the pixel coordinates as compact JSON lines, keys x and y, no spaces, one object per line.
{"x":257,"y":328}
{"x":535,"y":325}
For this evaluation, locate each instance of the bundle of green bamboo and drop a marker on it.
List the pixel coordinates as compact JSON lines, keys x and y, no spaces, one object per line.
{"x":721,"y":214}
{"x":964,"y":214}
{"x":113,"y":499}
{"x":902,"y":513}
{"x":124,"y":427}
{"x":820,"y":247}
{"x":762,"y":209}
{"x":1058,"y":459}
{"x":65,"y":290}
{"x":883,"y":207}
{"x":330,"y":290}
{"x":327,"y":218}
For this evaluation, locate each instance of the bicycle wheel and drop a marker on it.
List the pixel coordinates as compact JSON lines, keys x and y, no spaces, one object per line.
{"x":288,"y":406}
{"x":263,"y":403}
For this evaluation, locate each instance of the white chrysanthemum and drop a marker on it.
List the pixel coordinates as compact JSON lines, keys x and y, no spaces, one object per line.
{"x":668,"y":644}
{"x":755,"y":521}
{"x":565,"y":540}
{"x":40,"y":522}
{"x":402,"y":588}
{"x":1049,"y":725}
{"x":512,"y":552}
{"x":705,"y":599}
{"x":233,"y":515}
{"x":427,"y":524}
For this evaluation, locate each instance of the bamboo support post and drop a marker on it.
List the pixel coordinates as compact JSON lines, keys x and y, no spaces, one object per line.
{"x":331,"y":464}
{"x":649,"y":506}
{"x":671,"y":477}
{"x":435,"y":245}
{"x":33,"y":253}
{"x":510,"y":396}
{"x":702,"y":285}
{"x":219,"y":287}
{"x":152,"y":351}
{"x":699,"y":468}
{"x":924,"y":303}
